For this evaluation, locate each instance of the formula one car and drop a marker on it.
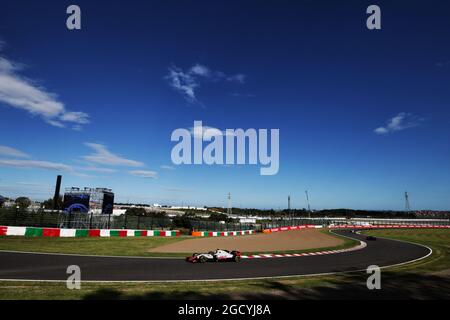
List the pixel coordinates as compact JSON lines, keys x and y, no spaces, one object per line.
{"x":215,"y":256}
{"x":371,"y":238}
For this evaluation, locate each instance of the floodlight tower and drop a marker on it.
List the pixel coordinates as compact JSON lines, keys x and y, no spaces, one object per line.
{"x":229,"y":204}
{"x":407,"y":206}
{"x":307,"y":201}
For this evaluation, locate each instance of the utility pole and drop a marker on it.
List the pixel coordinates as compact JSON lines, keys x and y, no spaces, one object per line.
{"x":407,"y":206}
{"x":229,"y":211}
{"x":307,"y":201}
{"x":289,"y":208}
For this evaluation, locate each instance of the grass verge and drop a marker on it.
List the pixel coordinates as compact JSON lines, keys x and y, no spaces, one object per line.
{"x":90,"y":246}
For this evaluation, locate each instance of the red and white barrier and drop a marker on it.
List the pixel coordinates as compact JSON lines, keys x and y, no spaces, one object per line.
{"x":65,"y":233}
{"x":288,"y":228}
{"x":390,"y":226}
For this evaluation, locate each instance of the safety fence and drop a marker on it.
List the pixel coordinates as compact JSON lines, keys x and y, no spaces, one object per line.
{"x":204,"y":225}
{"x":48,"y":219}
{"x":75,"y":220}
{"x":60,"y":232}
{"x":345,"y":226}
{"x":283,"y":223}
{"x":391,"y":226}
{"x":288,"y":228}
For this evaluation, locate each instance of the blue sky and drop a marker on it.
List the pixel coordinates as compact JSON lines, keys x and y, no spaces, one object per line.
{"x":363,"y":115}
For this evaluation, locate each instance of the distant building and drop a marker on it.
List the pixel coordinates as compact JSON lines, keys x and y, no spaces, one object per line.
{"x":188,"y":208}
{"x":96,"y":200}
{"x":9,"y":204}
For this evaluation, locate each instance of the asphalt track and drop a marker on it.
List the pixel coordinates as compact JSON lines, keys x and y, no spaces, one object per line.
{"x":29,"y":266}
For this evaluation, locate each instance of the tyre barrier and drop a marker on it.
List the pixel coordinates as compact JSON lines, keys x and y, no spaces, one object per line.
{"x":79,"y":233}
{"x":221,"y":233}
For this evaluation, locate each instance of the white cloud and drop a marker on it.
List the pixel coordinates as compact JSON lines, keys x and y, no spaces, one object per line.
{"x":76,"y":117}
{"x":167,"y":167}
{"x":35,"y":164}
{"x":240,"y":78}
{"x":19,"y":92}
{"x":144,"y":174}
{"x":55,"y":123}
{"x":381,"y":130}
{"x":11,"y":152}
{"x":97,"y":169}
{"x":200,"y":70}
{"x":35,"y":190}
{"x":187,"y":82}
{"x":183,"y":83}
{"x":103,"y":156}
{"x":400,"y":122}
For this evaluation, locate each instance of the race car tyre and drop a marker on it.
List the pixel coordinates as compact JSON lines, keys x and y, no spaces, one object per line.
{"x":236,"y":258}
{"x":202,"y":259}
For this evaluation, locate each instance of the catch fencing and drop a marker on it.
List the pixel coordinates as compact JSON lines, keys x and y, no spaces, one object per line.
{"x":203,"y":225}
{"x":55,"y":219}
{"x":279,"y":223}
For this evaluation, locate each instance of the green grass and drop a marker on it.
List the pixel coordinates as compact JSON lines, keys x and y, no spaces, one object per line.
{"x":177,"y":290}
{"x":425,"y":279}
{"x":137,"y":246}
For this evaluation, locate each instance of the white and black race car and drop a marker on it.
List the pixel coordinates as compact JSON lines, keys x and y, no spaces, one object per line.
{"x":215,"y":256}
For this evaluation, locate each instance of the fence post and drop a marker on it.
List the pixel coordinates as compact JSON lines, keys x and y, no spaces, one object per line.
{"x":109,"y":221}
{"x":15,"y":215}
{"x":41,"y":222}
{"x":139,"y":223}
{"x":90,"y":220}
{"x":70,"y":219}
{"x":125,"y":221}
